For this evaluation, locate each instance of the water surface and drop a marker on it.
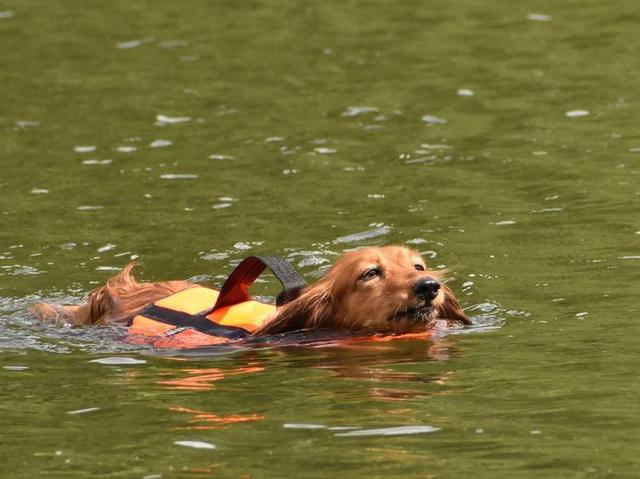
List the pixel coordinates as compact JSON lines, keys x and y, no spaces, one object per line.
{"x":498,"y":139}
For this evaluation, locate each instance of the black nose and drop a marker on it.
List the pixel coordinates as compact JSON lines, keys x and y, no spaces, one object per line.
{"x":426,"y":288}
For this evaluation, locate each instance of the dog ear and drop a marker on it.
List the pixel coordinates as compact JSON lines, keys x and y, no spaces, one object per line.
{"x":451,"y":309}
{"x":313,"y":308}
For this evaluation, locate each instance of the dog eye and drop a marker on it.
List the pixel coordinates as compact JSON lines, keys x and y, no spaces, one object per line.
{"x":419,"y":267}
{"x":370,"y":274}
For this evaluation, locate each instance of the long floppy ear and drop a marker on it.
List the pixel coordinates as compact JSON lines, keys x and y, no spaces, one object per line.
{"x":313,"y":308}
{"x":451,"y":309}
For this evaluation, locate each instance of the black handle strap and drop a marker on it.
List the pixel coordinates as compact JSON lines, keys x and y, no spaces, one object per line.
{"x":236,"y":288}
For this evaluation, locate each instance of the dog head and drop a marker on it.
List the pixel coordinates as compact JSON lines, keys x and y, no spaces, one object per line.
{"x":383,"y":289}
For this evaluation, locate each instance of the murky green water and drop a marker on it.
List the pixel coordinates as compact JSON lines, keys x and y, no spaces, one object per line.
{"x":288,"y":128}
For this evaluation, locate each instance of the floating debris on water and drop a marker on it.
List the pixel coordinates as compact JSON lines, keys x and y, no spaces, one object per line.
{"x":576,"y":113}
{"x":195,"y":444}
{"x":390,"y":431}
{"x":434,"y":120}
{"x":118,"y":360}
{"x":171,"y":120}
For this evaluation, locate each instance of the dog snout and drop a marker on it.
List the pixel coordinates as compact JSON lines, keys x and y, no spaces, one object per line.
{"x":426,"y":288}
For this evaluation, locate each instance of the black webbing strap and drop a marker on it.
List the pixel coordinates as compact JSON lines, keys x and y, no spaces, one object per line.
{"x":195,"y":321}
{"x":236,"y":288}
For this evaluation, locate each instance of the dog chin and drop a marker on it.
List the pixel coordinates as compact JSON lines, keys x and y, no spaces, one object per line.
{"x":423,"y":314}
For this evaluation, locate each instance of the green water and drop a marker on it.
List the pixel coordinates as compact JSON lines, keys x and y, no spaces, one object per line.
{"x":535,"y":213}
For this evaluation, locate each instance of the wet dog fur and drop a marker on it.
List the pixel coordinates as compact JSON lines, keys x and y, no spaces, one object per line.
{"x":385,"y":289}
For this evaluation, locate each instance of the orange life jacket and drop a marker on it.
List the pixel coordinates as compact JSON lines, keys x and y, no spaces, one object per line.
{"x":200,"y":316}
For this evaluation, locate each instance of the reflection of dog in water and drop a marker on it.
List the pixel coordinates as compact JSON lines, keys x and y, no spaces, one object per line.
{"x":379,"y":289}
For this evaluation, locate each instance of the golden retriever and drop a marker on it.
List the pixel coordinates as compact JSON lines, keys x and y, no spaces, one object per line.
{"x":376,"y":289}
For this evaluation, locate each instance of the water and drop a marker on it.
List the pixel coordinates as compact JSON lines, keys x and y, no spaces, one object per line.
{"x":499,"y":139}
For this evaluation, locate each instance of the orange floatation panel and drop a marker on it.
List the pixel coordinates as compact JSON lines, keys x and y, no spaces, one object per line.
{"x":247,"y":315}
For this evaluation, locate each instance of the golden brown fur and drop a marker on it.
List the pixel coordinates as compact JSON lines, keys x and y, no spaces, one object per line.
{"x":370,"y":289}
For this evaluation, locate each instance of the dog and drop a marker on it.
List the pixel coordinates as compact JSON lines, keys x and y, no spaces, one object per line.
{"x":385,"y":289}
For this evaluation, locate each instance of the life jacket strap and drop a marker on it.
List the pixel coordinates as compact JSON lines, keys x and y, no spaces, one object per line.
{"x":236,"y":288}
{"x":196,"y":321}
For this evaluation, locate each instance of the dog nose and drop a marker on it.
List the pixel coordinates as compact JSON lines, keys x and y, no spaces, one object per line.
{"x":426,"y":288}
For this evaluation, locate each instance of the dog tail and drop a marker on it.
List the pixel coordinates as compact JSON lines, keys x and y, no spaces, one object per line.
{"x":117,"y":301}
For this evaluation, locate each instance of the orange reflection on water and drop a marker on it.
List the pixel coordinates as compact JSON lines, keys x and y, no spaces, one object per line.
{"x":203,"y":379}
{"x":214,"y":421}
